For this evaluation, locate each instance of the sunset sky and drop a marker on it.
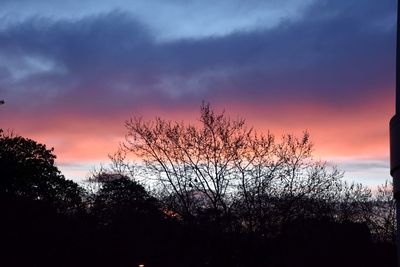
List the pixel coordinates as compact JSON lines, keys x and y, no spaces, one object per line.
{"x":71,"y":72}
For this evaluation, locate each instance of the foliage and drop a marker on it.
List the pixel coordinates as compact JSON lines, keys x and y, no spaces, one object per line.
{"x":121,"y":199}
{"x":29,"y":171}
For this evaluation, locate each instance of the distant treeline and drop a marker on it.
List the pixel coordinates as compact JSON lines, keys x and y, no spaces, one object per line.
{"x":216,"y":193}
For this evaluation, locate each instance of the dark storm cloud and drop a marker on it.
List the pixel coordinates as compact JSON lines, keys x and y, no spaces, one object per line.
{"x":338,"y":51}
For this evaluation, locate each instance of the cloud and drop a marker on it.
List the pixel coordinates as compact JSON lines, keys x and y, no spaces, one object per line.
{"x":334,"y":54}
{"x":170,"y":20}
{"x":370,"y":172}
{"x":320,"y":61}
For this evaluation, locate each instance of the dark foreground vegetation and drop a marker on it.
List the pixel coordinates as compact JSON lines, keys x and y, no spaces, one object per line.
{"x":211,"y":194}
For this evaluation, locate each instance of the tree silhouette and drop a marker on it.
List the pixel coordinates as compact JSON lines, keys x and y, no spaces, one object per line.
{"x":222,"y":166}
{"x":29,"y":171}
{"x":120,"y":198}
{"x":382,"y":214}
{"x":279,"y":181}
{"x":193,"y":164}
{"x":223,"y":195}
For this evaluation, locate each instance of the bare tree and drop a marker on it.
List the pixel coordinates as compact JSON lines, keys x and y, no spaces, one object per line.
{"x":281,"y":182}
{"x":222,"y":163}
{"x":383,"y":222}
{"x":353,"y":203}
{"x":196,"y":165}
{"x":256,"y":168}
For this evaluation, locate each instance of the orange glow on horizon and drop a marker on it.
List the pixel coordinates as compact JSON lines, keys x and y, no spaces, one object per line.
{"x":360,"y":131}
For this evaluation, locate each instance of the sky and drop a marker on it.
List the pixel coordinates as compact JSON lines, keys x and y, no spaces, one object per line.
{"x":71,"y":72}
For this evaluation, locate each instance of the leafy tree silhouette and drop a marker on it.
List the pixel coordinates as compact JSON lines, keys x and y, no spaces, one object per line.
{"x":123,"y":199}
{"x":130,"y":222}
{"x":29,"y":172}
{"x":39,"y":207}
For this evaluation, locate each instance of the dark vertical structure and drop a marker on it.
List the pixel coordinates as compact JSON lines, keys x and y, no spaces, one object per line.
{"x":395,"y":139}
